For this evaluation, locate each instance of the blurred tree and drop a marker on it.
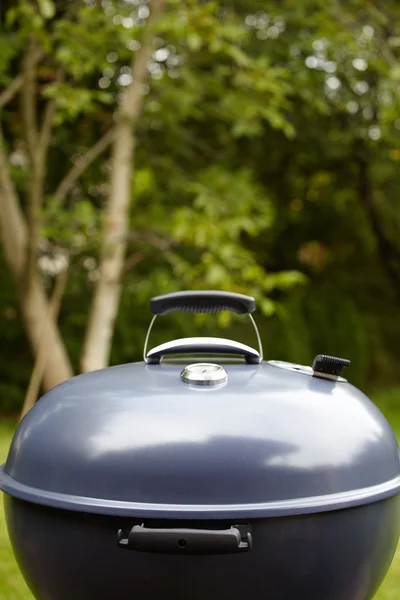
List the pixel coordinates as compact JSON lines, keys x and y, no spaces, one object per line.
{"x":74,"y":79}
{"x":335,"y":182}
{"x":265,"y":141}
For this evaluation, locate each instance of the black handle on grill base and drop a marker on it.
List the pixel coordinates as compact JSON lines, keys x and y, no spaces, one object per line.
{"x":202,"y":302}
{"x":186,"y":541}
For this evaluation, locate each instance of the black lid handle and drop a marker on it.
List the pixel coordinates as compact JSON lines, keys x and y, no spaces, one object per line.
{"x":202,"y":301}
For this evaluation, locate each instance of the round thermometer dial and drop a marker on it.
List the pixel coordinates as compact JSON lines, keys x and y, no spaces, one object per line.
{"x":204,"y":374}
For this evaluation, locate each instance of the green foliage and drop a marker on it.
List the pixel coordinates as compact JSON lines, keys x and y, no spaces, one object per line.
{"x":9,"y":47}
{"x":47,"y":8}
{"x":73,"y":102}
{"x":26,"y":17}
{"x":258,"y":120}
{"x":225,"y":207}
{"x":68,"y":227}
{"x":82,"y":43}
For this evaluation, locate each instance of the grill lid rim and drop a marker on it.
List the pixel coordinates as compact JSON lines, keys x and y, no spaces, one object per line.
{"x":298,"y":506}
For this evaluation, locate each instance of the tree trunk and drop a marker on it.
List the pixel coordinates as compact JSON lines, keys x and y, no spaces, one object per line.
{"x":34,"y":306}
{"x":43,"y":353}
{"x":35,"y":310}
{"x":107,"y":293}
{"x":108,"y":289}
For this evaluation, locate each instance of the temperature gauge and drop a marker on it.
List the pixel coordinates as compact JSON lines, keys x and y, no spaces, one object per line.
{"x":204,"y":374}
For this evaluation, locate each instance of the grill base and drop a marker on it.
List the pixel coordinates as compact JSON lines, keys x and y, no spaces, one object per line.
{"x":338,"y":555}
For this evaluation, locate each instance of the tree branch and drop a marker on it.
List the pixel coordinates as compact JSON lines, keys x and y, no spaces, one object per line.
{"x":35,"y":190}
{"x":84,"y":163}
{"x":132,"y":98}
{"x":38,"y":142}
{"x":152,"y":237}
{"x":12,"y":222}
{"x":29,"y":97}
{"x":387,"y":52}
{"x":15,"y":86}
{"x":47,"y":123}
{"x":9,"y":93}
{"x":44,"y":346}
{"x":133,"y":260}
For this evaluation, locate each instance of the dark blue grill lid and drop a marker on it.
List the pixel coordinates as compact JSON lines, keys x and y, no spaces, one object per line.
{"x":136,"y":440}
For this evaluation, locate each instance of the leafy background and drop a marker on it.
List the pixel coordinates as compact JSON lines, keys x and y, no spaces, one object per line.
{"x":267,"y":162}
{"x":268,"y":132}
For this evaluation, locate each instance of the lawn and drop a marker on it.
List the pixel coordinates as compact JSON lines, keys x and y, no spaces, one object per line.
{"x":12,"y":586}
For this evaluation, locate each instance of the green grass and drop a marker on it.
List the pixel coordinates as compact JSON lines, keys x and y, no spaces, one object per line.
{"x":12,"y":586}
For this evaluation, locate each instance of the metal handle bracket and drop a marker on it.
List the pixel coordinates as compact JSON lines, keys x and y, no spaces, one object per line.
{"x":202,"y":345}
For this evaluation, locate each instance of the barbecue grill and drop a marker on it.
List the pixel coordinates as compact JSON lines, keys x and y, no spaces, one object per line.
{"x":204,"y":472}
